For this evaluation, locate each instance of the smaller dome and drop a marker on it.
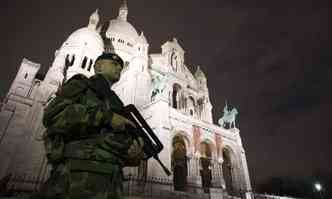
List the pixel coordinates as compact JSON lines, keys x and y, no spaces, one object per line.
{"x":199,"y":73}
{"x":85,"y":36}
{"x":141,"y":39}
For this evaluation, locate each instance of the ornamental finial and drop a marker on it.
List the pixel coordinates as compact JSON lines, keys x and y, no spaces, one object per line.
{"x":94,"y":20}
{"x":123,"y":10}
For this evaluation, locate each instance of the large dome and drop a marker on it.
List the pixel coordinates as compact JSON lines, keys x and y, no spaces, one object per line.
{"x":86,"y":37}
{"x":121,"y":28}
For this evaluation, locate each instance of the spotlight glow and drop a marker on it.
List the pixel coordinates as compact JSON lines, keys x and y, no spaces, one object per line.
{"x":318,"y":186}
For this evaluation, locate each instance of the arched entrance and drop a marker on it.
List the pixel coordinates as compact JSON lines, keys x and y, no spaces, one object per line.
{"x":227,"y":169}
{"x":179,"y":163}
{"x":205,"y":166}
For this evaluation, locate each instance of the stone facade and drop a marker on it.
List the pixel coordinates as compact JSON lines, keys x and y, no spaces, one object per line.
{"x":174,"y":102}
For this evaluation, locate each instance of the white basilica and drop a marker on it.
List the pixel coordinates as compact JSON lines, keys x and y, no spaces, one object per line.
{"x":174,"y":102}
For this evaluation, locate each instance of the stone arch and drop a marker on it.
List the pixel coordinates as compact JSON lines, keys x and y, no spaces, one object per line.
{"x":185,"y":136}
{"x":191,"y":105}
{"x":179,"y":161}
{"x":229,"y":169}
{"x":211,"y":144}
{"x":174,"y":61}
{"x":206,"y":149}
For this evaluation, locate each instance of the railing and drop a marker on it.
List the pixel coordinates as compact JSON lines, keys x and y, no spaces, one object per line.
{"x":160,"y":188}
{"x":267,"y":196}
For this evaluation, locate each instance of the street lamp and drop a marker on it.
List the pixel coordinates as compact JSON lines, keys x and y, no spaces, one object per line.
{"x":319,"y":188}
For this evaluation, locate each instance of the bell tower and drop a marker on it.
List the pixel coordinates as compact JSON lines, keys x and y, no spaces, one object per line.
{"x":24,"y":80}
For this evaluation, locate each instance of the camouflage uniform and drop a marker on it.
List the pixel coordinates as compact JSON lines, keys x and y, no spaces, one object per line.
{"x":87,"y":155}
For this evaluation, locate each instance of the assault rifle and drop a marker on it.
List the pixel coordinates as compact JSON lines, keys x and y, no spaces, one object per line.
{"x":152,"y":145}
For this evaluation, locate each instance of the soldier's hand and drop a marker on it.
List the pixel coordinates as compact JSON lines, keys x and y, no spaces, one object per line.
{"x":119,"y":122}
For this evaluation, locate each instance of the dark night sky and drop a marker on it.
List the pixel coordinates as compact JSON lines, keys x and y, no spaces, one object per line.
{"x":270,"y":59}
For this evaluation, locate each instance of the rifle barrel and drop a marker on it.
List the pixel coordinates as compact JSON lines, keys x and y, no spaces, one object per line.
{"x":162,"y":165}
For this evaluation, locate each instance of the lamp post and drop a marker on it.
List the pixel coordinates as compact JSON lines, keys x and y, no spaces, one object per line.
{"x":319,"y":188}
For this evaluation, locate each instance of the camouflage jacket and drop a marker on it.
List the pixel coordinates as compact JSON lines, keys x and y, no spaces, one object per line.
{"x":79,"y":128}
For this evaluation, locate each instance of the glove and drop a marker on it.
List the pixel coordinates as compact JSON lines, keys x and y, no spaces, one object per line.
{"x":135,"y":153}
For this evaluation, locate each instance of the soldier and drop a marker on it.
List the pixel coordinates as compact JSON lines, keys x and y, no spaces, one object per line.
{"x":86,"y":141}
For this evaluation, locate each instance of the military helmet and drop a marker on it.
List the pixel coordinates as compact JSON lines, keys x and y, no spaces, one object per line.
{"x":111,"y":56}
